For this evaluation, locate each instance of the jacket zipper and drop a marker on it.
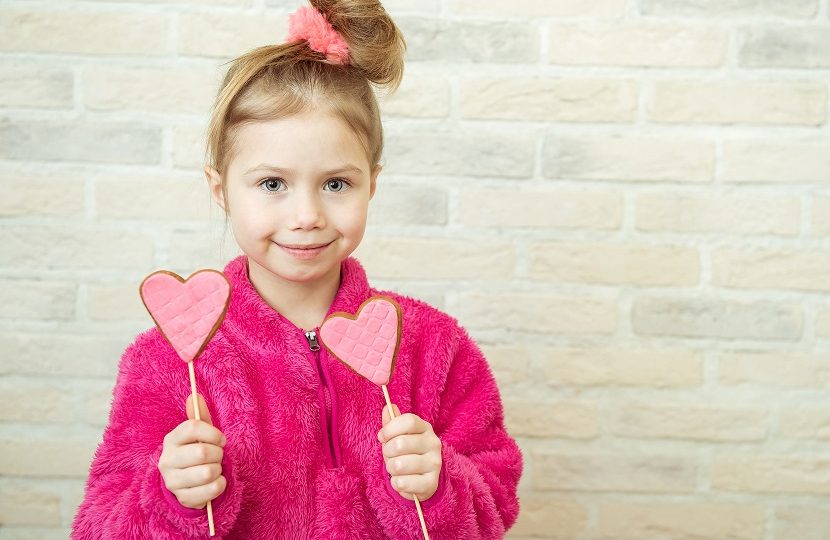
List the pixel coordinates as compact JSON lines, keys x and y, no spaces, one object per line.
{"x":314,"y":345}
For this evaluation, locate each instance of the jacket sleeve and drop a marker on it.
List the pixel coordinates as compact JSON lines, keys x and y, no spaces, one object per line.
{"x":482,"y":464}
{"x":125,"y":495}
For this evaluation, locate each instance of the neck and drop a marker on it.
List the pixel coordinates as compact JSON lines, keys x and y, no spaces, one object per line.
{"x":305,"y":304}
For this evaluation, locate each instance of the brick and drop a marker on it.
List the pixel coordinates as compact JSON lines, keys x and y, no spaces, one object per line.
{"x":151,"y":196}
{"x":459,"y":153}
{"x":43,"y":300}
{"x":550,"y":518}
{"x":758,"y":103}
{"x":614,"y":264}
{"x":776,"y":161}
{"x":689,"y":422}
{"x":178,"y":90}
{"x":698,"y":520}
{"x":785,"y":47}
{"x":430,"y":39}
{"x":45,"y":248}
{"x":39,"y":195}
{"x":396,"y":6}
{"x":45,"y":455}
{"x":772,"y":474}
{"x":509,"y":364}
{"x":798,"y":422}
{"x":34,"y":533}
{"x":188,"y":251}
{"x":226,"y":35}
{"x":115,"y":302}
{"x":564,"y":419}
{"x":419,"y":96}
{"x":821,"y":216}
{"x":96,"y":399}
{"x":641,"y":45}
{"x":714,"y":318}
{"x":613,"y":472}
{"x":730,"y":8}
{"x":540,"y":99}
{"x":771,"y":269}
{"x":40,"y":87}
{"x":719,"y":213}
{"x":27,"y":401}
{"x":22,"y":503}
{"x":666,"y":368}
{"x":111,"y":142}
{"x":536,"y":208}
{"x":628,"y":158}
{"x":83,"y":32}
{"x":537,"y":312}
{"x":774,"y":370}
{"x":396,"y":204}
{"x":802,"y":522}
{"x":236,"y":3}
{"x":189,"y":145}
{"x":404,"y":258}
{"x":62,"y":355}
{"x":823,"y":323}
{"x":540,"y":8}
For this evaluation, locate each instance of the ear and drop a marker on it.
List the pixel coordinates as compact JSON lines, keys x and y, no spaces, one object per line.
{"x":214,"y":180}
{"x":374,"y":182}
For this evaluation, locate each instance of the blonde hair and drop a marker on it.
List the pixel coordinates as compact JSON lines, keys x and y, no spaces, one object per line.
{"x":276,"y":81}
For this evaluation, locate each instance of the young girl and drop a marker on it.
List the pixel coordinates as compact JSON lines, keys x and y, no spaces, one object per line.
{"x":292,"y":444}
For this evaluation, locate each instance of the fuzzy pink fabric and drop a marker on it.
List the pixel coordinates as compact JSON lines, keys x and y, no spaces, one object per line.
{"x":290,"y":473}
{"x":309,"y":24}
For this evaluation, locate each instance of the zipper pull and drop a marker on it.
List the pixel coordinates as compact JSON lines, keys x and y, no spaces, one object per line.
{"x":311,"y":337}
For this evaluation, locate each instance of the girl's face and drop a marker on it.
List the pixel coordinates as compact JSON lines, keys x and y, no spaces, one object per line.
{"x":298,"y":191}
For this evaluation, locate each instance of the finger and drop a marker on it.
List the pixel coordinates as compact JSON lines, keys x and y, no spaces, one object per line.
{"x":412,"y":484}
{"x":405,"y":424}
{"x":406,"y":444}
{"x":191,"y":431}
{"x":385,"y":414}
{"x":196,"y":476}
{"x":193,"y":454}
{"x":204,"y":413}
{"x":408,"y":464}
{"x":197,"y":497}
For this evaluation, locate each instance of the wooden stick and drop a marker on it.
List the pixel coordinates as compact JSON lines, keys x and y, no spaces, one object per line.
{"x":198,"y":417}
{"x":417,"y":502}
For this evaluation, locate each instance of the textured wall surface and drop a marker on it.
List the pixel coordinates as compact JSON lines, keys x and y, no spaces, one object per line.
{"x":627,"y":202}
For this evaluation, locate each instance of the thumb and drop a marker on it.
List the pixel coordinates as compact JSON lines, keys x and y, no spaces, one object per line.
{"x":385,"y":418}
{"x":203,"y":409}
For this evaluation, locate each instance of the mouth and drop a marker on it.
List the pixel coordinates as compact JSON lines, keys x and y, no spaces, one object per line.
{"x":303,"y":246}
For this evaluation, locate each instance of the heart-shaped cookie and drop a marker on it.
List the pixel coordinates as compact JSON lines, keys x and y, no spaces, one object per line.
{"x":188,"y":312}
{"x":368,"y":341}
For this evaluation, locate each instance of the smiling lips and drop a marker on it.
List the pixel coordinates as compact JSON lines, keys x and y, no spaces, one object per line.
{"x":304,"y":251}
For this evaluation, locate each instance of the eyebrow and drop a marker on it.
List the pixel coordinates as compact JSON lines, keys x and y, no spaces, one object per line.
{"x":267,"y":167}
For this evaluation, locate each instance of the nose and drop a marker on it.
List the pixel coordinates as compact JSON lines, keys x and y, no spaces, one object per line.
{"x":307,"y":212}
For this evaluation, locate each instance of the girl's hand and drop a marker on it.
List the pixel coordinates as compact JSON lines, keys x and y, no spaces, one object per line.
{"x":191,"y":459}
{"x":412,"y":452}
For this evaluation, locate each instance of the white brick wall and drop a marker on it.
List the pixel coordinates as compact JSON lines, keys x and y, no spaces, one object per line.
{"x":627,"y":202}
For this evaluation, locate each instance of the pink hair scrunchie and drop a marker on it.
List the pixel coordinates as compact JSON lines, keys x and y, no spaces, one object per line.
{"x":310,"y":25}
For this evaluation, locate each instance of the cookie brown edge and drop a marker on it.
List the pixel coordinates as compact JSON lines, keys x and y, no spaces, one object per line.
{"x":219,"y":319}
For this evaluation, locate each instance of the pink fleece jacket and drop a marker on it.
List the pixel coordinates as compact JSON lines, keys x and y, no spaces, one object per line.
{"x":302,"y":458}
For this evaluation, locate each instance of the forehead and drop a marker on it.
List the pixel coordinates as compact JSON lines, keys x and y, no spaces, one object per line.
{"x":299,"y":141}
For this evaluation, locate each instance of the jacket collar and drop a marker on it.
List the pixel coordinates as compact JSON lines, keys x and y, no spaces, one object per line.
{"x":248,"y":313}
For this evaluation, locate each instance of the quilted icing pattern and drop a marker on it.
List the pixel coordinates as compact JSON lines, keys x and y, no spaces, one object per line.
{"x":187,"y":312}
{"x":367,"y":342}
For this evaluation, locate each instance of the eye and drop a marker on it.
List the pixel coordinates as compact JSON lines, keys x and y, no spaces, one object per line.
{"x":271,"y":184}
{"x":337,"y":184}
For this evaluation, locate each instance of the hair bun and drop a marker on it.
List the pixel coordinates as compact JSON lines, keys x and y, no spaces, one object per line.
{"x":376,"y":45}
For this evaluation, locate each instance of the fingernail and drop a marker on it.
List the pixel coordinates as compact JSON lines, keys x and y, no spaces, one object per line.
{"x":223,"y":441}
